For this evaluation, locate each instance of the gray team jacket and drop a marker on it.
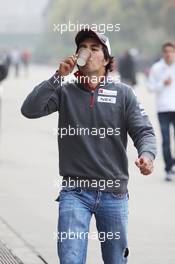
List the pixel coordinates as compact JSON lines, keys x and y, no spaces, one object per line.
{"x":92,"y":130}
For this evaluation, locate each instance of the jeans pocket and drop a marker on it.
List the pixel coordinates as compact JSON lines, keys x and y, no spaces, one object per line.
{"x":65,"y":190}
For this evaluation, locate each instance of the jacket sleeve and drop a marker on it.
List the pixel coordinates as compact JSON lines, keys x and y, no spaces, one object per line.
{"x":44,"y":99}
{"x":139,"y":126}
{"x":155,"y":81}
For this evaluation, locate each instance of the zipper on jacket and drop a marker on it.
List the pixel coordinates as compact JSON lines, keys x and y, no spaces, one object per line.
{"x":92,"y":98}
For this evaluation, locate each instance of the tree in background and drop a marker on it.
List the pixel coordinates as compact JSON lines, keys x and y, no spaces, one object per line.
{"x":144,"y":24}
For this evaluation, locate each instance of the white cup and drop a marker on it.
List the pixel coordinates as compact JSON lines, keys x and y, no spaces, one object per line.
{"x":83,"y":56}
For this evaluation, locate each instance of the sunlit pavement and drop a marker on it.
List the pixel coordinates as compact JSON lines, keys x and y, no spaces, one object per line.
{"x":28,"y":174}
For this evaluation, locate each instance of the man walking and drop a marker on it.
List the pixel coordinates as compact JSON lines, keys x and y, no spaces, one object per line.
{"x":95,"y":116}
{"x":162,"y":82}
{"x":127,"y":69}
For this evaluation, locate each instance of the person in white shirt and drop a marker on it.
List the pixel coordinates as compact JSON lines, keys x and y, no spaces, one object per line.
{"x":162,"y":82}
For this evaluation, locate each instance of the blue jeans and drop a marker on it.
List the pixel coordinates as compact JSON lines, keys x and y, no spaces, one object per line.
{"x":76,"y":207}
{"x":166,"y":119}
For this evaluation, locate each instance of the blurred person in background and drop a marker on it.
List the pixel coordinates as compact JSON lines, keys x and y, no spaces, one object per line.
{"x":15,"y":58}
{"x":162,"y":82}
{"x":4,"y":65}
{"x":25,"y":57}
{"x":127,"y":69}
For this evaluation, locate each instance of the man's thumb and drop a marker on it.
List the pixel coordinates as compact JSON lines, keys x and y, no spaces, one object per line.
{"x":137,"y":162}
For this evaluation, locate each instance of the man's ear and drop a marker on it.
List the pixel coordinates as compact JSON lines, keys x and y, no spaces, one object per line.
{"x":106,"y":62}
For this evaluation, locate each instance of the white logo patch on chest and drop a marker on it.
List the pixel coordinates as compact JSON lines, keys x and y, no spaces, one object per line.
{"x":107,"y":92}
{"x":106,"y":99}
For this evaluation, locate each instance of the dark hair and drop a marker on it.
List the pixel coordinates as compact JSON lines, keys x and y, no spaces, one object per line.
{"x":168,"y":44}
{"x":107,"y":56}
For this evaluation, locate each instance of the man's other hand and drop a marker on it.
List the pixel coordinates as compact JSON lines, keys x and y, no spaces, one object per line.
{"x":145,"y":165}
